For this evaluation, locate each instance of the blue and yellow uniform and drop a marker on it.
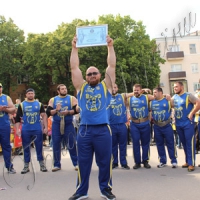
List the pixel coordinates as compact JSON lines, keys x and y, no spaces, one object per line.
{"x":31,"y":128}
{"x":163,"y":131}
{"x":118,"y":126}
{"x":94,"y":136}
{"x":69,"y":135}
{"x":5,"y":132}
{"x":184,"y":126}
{"x":140,"y":127}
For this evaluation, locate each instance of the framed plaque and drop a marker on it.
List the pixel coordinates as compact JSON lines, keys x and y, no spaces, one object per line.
{"x":88,"y":36}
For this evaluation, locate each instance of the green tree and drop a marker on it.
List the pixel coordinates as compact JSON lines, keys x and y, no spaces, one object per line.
{"x":11,"y":51}
{"x":137,"y":59}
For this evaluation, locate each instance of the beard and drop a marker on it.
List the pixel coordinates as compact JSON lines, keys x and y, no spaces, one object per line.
{"x":93,"y":82}
{"x":136,"y":94}
{"x":62,"y":94}
{"x":178,"y":92}
{"x":114,"y":93}
{"x":30,"y":99}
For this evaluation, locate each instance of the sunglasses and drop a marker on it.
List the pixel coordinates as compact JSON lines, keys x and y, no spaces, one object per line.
{"x":92,"y":73}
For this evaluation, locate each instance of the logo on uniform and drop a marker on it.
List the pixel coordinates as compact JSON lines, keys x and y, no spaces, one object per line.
{"x":65,"y":101}
{"x":36,"y":107}
{"x":164,"y":105}
{"x":142,"y":101}
{"x":97,"y":87}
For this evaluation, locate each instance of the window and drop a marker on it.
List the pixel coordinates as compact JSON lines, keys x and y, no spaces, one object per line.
{"x":194,"y":67}
{"x":192,"y":48}
{"x":174,"y":48}
{"x":196,"y":86}
{"x":176,"y":68}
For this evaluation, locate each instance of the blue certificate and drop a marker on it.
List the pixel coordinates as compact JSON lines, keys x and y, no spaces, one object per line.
{"x":88,"y":36}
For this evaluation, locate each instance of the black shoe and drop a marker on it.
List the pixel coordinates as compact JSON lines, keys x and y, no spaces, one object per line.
{"x":147,"y":165}
{"x":114,"y":166}
{"x":25,"y":170}
{"x":107,"y":194}
{"x":136,"y":166}
{"x":125,"y":167}
{"x":78,"y":196}
{"x":43,"y":167}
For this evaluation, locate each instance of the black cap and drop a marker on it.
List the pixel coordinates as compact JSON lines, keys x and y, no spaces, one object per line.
{"x":30,"y":90}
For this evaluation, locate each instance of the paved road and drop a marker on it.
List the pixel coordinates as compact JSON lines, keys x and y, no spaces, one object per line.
{"x":141,"y":184}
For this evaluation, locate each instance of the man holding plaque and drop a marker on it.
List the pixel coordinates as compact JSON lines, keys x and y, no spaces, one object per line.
{"x":94,"y":135}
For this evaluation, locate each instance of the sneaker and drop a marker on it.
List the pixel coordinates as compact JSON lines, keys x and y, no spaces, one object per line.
{"x":190,"y":168}
{"x":147,"y":165}
{"x":136,"y":166}
{"x":107,"y":194}
{"x":125,"y":167}
{"x":161,"y":165}
{"x":185,"y":165}
{"x":26,"y":168}
{"x":11,"y":170}
{"x":78,"y":196}
{"x":76,"y":168}
{"x":55,"y":169}
{"x":42,"y":167}
{"x":174,"y":165}
{"x":114,"y":166}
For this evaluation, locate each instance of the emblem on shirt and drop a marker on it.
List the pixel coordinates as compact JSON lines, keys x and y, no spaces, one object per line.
{"x":31,"y":117}
{"x":97,"y":87}
{"x":159,"y":115}
{"x":93,"y":102}
{"x":178,"y":112}
{"x":117,"y":109}
{"x":139,"y":112}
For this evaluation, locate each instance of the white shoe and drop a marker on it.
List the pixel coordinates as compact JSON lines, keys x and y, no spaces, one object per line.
{"x":174,"y":165}
{"x":161,"y":165}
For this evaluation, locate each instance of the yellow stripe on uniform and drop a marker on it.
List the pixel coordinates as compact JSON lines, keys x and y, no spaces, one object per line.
{"x":192,"y":145}
{"x":21,"y":106}
{"x":82,"y":88}
{"x":109,"y":129}
{"x":71,"y":101}
{"x":187,"y":101}
{"x":104,"y":88}
{"x":169,"y":104}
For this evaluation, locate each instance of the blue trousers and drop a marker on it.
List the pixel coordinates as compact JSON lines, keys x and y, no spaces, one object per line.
{"x":162,"y":135}
{"x":187,"y":137}
{"x":69,"y":139}
{"x":5,"y":145}
{"x":141,"y":133}
{"x":27,"y":138}
{"x":94,"y":139}
{"x":119,"y":138}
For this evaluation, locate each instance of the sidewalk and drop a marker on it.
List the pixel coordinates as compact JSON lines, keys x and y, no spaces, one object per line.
{"x":142,"y":184}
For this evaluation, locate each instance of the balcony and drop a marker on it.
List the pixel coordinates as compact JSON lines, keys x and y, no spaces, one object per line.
{"x":176,"y":55}
{"x":177,"y":75}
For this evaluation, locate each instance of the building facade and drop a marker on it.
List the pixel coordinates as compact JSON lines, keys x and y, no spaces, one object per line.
{"x":182,"y":55}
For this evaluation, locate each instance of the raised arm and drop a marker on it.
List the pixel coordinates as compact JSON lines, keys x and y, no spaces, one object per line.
{"x":111,"y":60}
{"x":77,"y":77}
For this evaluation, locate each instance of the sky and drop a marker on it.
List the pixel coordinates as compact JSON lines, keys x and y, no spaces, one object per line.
{"x":43,"y":16}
